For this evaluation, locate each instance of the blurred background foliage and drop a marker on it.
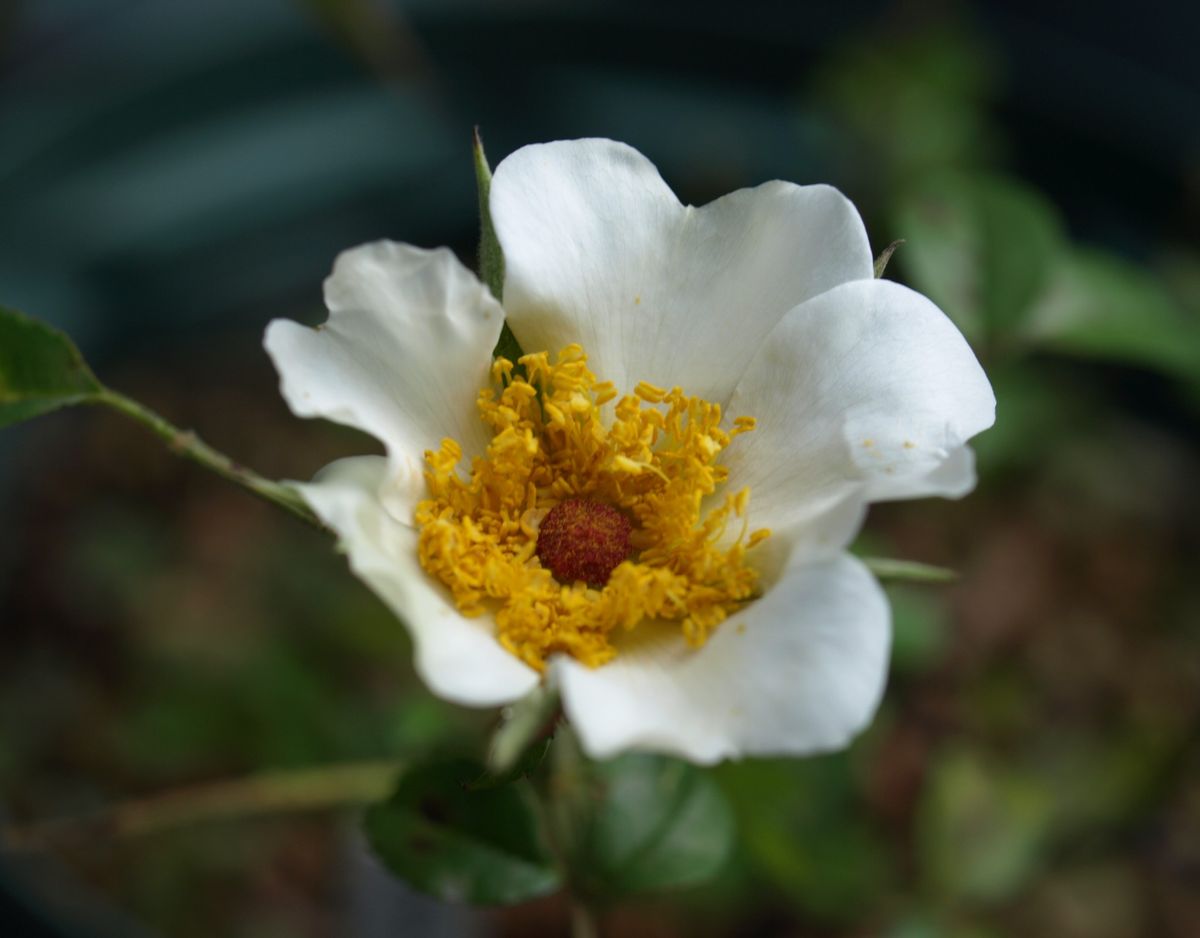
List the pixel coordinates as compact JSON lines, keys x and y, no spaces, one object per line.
{"x":173,"y":175}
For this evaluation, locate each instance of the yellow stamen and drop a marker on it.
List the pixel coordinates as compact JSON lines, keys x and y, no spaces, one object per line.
{"x":655,"y":462}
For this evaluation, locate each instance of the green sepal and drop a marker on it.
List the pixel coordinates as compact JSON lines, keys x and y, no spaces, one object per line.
{"x":885,"y":255}
{"x":526,"y":766}
{"x":40,"y":369}
{"x":521,"y":725}
{"x":491,"y":257}
{"x":462,"y":843}
{"x":909,"y":571}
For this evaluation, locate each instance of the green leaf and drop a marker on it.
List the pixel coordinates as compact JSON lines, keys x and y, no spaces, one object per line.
{"x":805,"y":828}
{"x":40,"y":369}
{"x":491,"y":257}
{"x":459,"y":843}
{"x":982,"y":247}
{"x":1100,"y":306}
{"x":650,"y":824}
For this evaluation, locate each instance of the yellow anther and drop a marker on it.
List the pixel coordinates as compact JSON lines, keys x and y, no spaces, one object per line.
{"x":549,"y":443}
{"x":625,"y":464}
{"x":649,"y":393}
{"x":604,"y":392}
{"x":758,"y":537}
{"x":555,"y":415}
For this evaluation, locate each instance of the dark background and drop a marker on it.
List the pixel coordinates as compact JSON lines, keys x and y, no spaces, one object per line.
{"x":173,"y":175}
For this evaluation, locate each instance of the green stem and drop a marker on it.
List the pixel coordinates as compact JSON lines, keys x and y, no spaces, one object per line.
{"x":188,"y":444}
{"x":268,"y":793}
{"x":563,"y":800}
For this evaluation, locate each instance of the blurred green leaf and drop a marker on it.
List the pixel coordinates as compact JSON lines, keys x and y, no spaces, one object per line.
{"x":1125,"y":767}
{"x":646,"y":823}
{"x":462,"y":844}
{"x":40,"y":369}
{"x":919,"y":627}
{"x":1101,"y":306}
{"x":804,"y":826}
{"x":982,"y":247}
{"x":983,"y":828}
{"x":914,"y":101}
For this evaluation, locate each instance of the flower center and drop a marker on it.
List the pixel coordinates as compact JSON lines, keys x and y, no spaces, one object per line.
{"x":583,"y":540}
{"x":623,"y":539}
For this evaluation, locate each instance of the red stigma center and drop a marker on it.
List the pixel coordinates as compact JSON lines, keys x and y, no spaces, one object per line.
{"x":583,"y":540}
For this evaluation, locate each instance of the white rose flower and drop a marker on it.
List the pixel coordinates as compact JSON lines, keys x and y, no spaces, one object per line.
{"x":697,"y":634}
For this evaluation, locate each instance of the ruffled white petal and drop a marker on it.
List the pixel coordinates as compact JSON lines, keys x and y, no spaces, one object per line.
{"x":954,"y":477}
{"x":865,"y":389}
{"x":799,"y":671}
{"x":599,"y":251}
{"x":458,"y":658}
{"x":406,"y":349}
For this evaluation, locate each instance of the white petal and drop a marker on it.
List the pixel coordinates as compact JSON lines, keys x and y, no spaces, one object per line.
{"x":954,"y":477}
{"x":867,"y":388}
{"x":407,"y":348}
{"x":799,"y":671}
{"x":599,"y":251}
{"x":457,"y":657}
{"x":823,"y":536}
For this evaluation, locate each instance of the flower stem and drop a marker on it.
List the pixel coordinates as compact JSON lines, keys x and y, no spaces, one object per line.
{"x":331,"y":786}
{"x":188,"y":444}
{"x":563,"y":799}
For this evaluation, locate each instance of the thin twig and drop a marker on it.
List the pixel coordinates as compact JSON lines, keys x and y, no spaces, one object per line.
{"x":268,"y":793}
{"x":186,"y":443}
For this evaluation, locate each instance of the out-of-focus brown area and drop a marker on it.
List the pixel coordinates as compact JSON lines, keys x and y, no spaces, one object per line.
{"x":173,"y":179}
